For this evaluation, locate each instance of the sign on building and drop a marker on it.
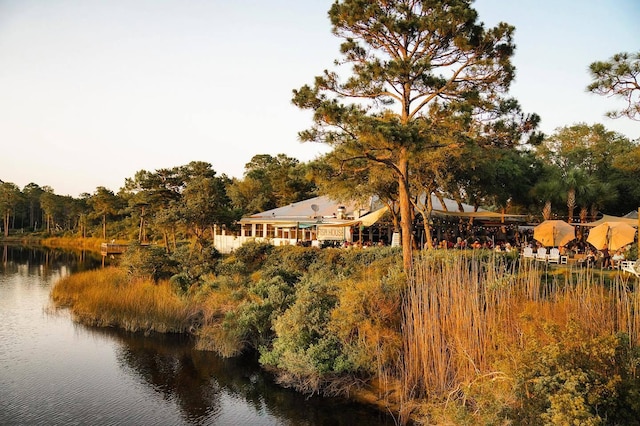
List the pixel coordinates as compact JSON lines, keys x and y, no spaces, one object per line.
{"x":332,"y":233}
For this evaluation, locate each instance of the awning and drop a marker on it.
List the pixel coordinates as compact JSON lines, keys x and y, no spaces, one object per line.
{"x":366,"y":220}
{"x":373,"y":217}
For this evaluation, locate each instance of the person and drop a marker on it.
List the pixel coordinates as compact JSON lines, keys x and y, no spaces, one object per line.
{"x":606,"y":257}
{"x":589,"y":259}
{"x":459,"y":243}
{"x":617,"y":257}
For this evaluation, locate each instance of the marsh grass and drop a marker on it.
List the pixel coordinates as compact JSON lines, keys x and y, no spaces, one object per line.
{"x":466,"y":319}
{"x":215,"y":305}
{"x":109,"y":298}
{"x":92,"y":244}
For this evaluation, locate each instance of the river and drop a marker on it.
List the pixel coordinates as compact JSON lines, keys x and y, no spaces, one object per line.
{"x":54,"y":371}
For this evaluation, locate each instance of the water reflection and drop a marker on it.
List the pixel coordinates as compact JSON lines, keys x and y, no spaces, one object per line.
{"x":42,"y":262}
{"x":213,"y":390}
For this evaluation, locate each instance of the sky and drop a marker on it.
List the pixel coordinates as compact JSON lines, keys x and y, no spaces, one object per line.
{"x":93,"y":91}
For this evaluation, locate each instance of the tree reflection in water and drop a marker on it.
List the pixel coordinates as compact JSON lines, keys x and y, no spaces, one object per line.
{"x":200,"y":383}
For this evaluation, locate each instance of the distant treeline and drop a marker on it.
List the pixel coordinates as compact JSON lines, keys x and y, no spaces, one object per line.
{"x":575,"y":173}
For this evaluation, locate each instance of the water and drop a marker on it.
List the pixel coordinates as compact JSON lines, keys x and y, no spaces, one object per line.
{"x":56,"y":372}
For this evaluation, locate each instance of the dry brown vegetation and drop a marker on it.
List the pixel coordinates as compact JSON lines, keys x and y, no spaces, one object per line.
{"x":92,"y":244}
{"x":109,"y":298}
{"x":468,"y":322}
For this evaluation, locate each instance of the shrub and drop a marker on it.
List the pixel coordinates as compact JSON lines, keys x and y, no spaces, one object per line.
{"x":194,"y":266}
{"x":254,"y":319}
{"x":148,"y":262}
{"x":367,"y":317}
{"x":304,"y":346}
{"x":251,"y":255}
{"x":577,"y":379}
{"x":293,"y":258}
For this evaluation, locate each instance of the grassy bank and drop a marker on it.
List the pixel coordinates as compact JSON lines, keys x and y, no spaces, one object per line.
{"x":109,"y":298}
{"x":473,"y":338}
{"x":23,"y":239}
{"x":72,"y":243}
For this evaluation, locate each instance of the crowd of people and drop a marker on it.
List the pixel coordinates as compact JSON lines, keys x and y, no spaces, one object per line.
{"x":585,"y":253}
{"x":579,"y":250}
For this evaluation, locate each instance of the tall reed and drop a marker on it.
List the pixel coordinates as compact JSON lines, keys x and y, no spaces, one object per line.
{"x":462,"y":314}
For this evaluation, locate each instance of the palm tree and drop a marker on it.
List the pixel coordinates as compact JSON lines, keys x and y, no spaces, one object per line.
{"x":548,"y":190}
{"x":575,"y":181}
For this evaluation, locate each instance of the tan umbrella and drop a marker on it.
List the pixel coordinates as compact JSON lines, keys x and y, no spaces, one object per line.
{"x":613,"y":234}
{"x":554,"y":233}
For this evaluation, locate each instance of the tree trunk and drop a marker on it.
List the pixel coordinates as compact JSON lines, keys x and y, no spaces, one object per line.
{"x":406,"y":216}
{"x":140,"y":231}
{"x":571,"y":204}
{"x":427,"y":225}
{"x":546,"y":210}
{"x":6,"y":224}
{"x":32,"y":213}
{"x":165,"y":239}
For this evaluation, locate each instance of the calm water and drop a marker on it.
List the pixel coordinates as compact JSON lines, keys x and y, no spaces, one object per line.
{"x":56,"y":372}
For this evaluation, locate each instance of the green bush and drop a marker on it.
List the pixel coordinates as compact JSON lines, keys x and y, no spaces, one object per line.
{"x":151,"y":262}
{"x":195,"y":266}
{"x":577,"y":379}
{"x":293,"y":258}
{"x":288,"y":312}
{"x":254,"y":318}
{"x":252,"y":255}
{"x":304,"y":346}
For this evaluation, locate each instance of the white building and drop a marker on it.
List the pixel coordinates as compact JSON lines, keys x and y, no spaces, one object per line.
{"x":309,"y":222}
{"x":321,"y":219}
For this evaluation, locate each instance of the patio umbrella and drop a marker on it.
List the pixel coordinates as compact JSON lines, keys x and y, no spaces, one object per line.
{"x":613,"y":234}
{"x":554,"y":233}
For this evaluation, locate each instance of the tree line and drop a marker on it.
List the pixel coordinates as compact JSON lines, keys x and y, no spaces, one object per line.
{"x":574,"y":173}
{"x":166,"y":205}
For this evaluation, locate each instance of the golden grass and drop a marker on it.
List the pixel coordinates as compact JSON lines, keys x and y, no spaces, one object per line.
{"x":465,"y":320}
{"x":108,"y":298}
{"x":215,"y":305}
{"x":92,"y":244}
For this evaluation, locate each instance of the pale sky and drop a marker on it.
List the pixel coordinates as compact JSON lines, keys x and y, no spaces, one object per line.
{"x":92,"y":91}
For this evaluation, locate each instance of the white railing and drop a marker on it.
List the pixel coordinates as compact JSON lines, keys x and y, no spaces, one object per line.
{"x":227,"y":243}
